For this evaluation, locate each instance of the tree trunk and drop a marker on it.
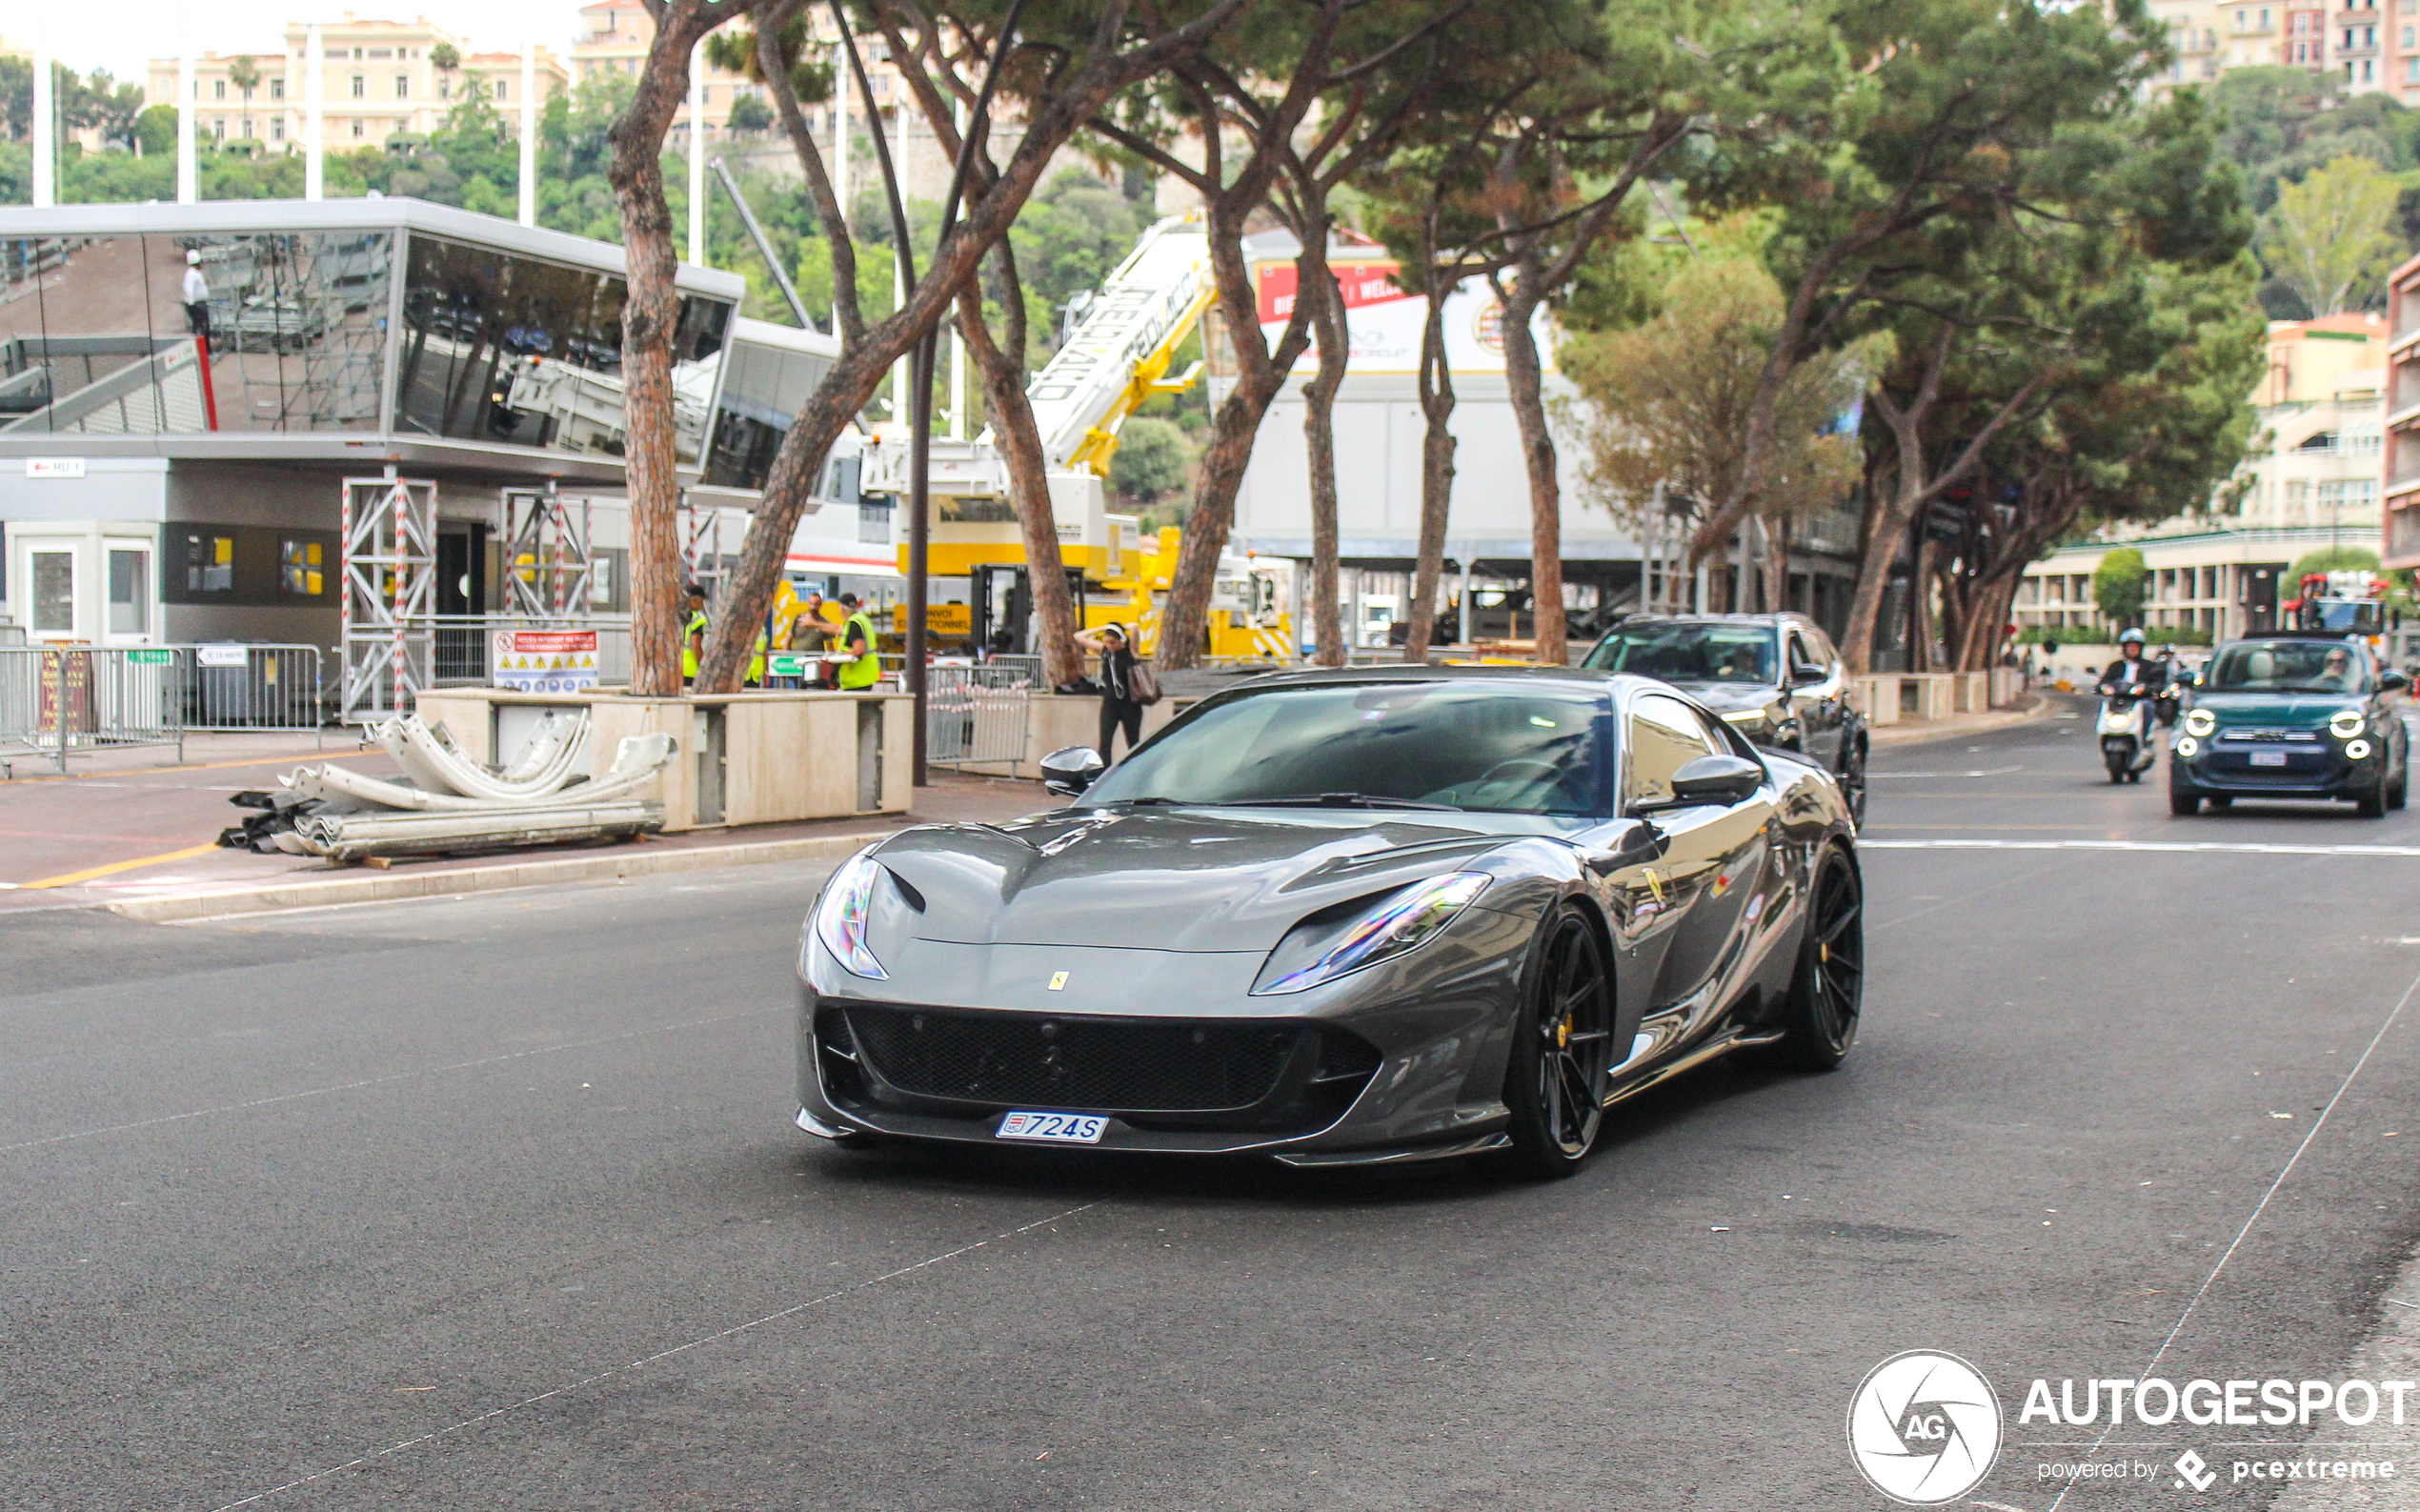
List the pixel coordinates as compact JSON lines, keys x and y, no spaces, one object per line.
{"x":1184,"y":625}
{"x":1885,"y":523}
{"x":1436,"y":472}
{"x":1524,"y":379}
{"x":1777,"y":565}
{"x":1020,"y":444}
{"x":650,"y":313}
{"x":1318,"y":434}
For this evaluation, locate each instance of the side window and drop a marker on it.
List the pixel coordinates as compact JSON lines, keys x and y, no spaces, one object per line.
{"x":1665,"y":735}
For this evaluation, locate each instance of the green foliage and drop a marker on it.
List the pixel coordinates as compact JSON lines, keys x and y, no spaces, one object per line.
{"x":2329,"y":560}
{"x":1074,"y":231}
{"x":1153,"y":457}
{"x":155,"y":131}
{"x":2333,"y":237}
{"x":2117,"y":587}
{"x":750,"y":116}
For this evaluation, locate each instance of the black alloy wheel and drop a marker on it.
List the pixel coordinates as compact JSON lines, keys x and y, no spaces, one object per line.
{"x":1818,"y":1020}
{"x":1563,"y":1053}
{"x":1852,"y":781}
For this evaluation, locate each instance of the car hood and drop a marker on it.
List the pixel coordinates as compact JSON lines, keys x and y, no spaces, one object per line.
{"x":2292,"y":710}
{"x":1176,"y":878}
{"x":1731,"y":697}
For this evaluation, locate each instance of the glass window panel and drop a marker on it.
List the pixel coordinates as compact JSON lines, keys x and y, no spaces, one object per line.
{"x":145,"y":334}
{"x":129,"y":600}
{"x":763,"y":389}
{"x":54,"y":593}
{"x":210,"y":562}
{"x":502,"y":348}
{"x":1665,"y":736}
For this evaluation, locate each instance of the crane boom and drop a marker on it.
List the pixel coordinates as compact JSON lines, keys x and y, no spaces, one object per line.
{"x":1119,"y":354}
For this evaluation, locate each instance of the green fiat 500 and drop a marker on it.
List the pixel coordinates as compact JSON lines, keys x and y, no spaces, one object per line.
{"x":2306,"y":716}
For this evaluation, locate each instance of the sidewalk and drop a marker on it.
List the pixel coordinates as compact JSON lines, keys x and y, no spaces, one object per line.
{"x":2028,"y":706}
{"x":127,"y":826}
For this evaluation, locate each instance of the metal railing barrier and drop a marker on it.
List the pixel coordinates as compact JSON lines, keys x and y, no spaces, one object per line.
{"x":979,"y":716}
{"x":57,"y":701}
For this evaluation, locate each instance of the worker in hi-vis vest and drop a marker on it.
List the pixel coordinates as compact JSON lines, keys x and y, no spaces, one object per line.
{"x":864,"y":668}
{"x":693,"y":636}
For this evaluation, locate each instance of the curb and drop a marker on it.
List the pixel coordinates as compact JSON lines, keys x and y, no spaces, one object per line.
{"x":383,"y":887}
{"x":1996,"y":719}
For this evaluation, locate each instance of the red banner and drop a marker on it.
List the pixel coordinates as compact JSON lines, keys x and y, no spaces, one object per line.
{"x":1362,"y":283}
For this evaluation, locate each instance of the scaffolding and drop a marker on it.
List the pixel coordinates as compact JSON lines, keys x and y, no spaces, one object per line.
{"x":388,"y":573}
{"x":548,"y":565}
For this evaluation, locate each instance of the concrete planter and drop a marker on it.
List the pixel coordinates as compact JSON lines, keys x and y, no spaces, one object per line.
{"x":1972,"y":691}
{"x":1877,"y":697}
{"x":1928,"y":695}
{"x":745,"y":758}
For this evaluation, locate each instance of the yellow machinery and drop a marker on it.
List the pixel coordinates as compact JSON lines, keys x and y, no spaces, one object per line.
{"x":1118,"y":357}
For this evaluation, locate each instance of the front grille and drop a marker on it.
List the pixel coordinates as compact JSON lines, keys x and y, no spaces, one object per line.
{"x":2297,"y":736}
{"x":1184,"y":1071}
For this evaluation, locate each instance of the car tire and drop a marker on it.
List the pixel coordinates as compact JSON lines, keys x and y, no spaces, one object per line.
{"x":2399,"y":791}
{"x":2372,"y":805}
{"x":1563,"y":1053}
{"x":2184,"y":805}
{"x":2220,"y":804}
{"x":1828,"y":988}
{"x":1852,"y":781}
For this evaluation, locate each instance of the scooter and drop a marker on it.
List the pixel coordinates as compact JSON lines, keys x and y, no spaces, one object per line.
{"x":2127,"y":747}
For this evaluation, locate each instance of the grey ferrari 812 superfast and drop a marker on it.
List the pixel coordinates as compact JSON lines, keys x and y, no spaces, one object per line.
{"x":1345,"y":918}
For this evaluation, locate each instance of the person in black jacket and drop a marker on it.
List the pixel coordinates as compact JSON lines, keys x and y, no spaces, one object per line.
{"x":2130,"y":673}
{"x":1118,"y":709}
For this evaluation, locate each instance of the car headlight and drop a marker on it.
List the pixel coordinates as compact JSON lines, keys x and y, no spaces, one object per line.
{"x":1403,"y":921}
{"x":2188,"y":747}
{"x":1745,"y":716}
{"x":2346,"y":723}
{"x":2355,"y":750}
{"x":2200,"y":722}
{"x":840,"y":918}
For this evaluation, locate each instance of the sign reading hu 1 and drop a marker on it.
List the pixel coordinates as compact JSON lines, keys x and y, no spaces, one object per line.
{"x":545,"y":661}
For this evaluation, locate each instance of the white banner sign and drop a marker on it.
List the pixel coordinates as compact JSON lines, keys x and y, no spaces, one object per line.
{"x":545,"y":661}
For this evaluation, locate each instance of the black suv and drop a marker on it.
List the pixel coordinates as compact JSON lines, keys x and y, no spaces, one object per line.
{"x":1775,"y":678}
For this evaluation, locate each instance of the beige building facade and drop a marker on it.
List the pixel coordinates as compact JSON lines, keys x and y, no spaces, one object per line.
{"x":377,"y":78}
{"x":2368,"y":47}
{"x":2309,"y":480}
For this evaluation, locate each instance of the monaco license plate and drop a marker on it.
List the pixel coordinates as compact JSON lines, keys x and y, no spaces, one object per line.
{"x":1056,"y":1128}
{"x":2268,"y":758}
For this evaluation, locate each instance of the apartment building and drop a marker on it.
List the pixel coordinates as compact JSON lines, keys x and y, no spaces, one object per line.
{"x":377,"y":78}
{"x":2399,"y":464}
{"x":2310,"y":480}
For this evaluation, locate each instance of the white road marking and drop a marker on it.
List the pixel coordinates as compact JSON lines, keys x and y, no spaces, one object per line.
{"x":648,"y":1359}
{"x":1988,"y":772}
{"x":2180,"y":847}
{"x":2258,"y":1208}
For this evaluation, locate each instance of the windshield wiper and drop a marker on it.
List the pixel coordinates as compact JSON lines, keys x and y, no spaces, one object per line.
{"x":1337,"y":800}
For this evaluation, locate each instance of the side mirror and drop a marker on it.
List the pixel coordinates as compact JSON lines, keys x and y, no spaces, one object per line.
{"x":1805,"y":672}
{"x":1069,"y":772}
{"x":1723,"y":779}
{"x":2392,"y":681}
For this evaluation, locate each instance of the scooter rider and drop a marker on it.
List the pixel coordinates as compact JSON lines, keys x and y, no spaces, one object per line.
{"x":2130,"y":675}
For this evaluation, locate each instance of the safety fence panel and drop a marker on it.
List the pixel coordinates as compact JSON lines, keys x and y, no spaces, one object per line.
{"x":57,"y":701}
{"x":235,"y":686}
{"x":979,"y":716}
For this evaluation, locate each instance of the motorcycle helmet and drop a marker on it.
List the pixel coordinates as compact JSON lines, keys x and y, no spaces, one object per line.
{"x":2132,"y":637}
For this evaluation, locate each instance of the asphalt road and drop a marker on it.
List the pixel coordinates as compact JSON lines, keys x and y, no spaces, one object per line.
{"x":494,"y":1204}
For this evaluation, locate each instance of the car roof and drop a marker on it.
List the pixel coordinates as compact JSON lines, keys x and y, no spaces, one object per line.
{"x":2340,"y":637}
{"x":1413,"y":671}
{"x":1779,"y":617}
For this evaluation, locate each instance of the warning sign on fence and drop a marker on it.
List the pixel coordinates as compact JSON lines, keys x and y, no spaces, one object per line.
{"x":545,"y":661}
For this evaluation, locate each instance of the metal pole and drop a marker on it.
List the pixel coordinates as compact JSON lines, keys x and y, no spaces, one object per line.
{"x":185,"y":169}
{"x":920,"y":543}
{"x":529,"y":133}
{"x":698,"y":154}
{"x":46,"y":122}
{"x":315,"y":95}
{"x":764,"y":245}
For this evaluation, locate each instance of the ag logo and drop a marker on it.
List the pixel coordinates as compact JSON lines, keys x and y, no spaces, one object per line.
{"x":1924,"y":1427}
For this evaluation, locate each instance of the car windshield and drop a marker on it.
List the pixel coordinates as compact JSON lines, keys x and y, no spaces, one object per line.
{"x":1689,"y":653}
{"x":2287,"y":666}
{"x":1503,"y":749}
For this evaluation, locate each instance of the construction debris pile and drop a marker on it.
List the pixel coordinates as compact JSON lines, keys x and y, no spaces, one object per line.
{"x":448,"y":803}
